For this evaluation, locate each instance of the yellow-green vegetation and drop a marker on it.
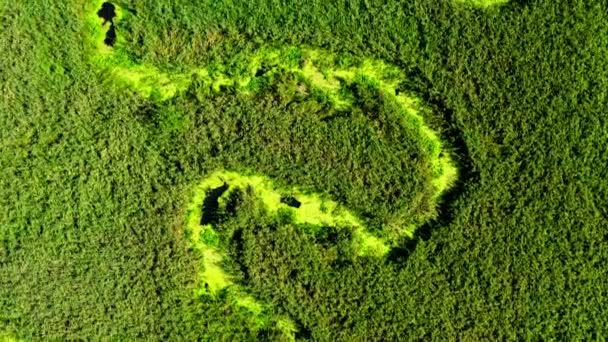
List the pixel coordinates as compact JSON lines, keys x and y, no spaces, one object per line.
{"x":321,"y":71}
{"x":8,"y":338}
{"x":316,"y":67}
{"x":313,"y":210}
{"x":482,"y":3}
{"x":108,"y":126}
{"x":147,"y":80}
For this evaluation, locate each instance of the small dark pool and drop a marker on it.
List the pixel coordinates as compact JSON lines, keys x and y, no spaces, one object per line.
{"x":108,"y":13}
{"x":291,"y":201}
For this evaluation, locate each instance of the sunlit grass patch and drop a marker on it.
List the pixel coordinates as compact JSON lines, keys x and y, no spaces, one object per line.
{"x":482,"y":3}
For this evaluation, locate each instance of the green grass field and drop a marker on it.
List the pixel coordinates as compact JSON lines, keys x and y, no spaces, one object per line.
{"x":303,"y":170}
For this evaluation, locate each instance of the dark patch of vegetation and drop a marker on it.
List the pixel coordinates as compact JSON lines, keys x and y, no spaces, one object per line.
{"x":211,"y":204}
{"x":233,"y":202}
{"x":291,"y":201}
{"x":92,"y":200}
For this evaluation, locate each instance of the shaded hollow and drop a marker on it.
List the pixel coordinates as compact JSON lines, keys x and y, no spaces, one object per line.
{"x":211,"y":204}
